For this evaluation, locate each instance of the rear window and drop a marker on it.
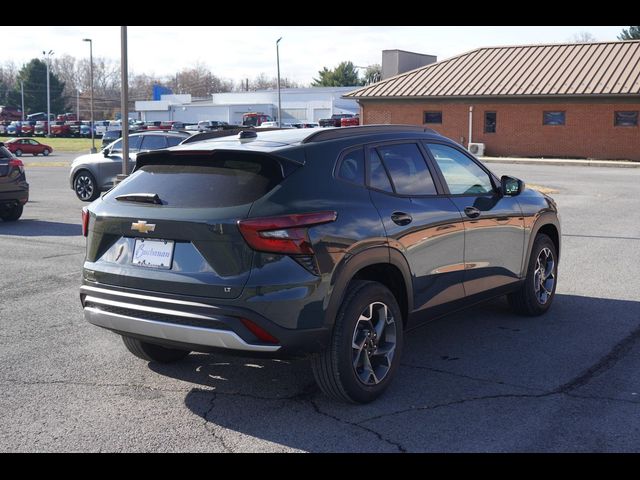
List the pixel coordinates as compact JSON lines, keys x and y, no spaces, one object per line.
{"x":205,"y":183}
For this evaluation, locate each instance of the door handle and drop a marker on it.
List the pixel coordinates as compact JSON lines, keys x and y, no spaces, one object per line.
{"x":472,"y":212}
{"x":401,"y":218}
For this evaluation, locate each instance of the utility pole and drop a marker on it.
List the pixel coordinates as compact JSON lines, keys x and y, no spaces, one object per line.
{"x":93,"y":128}
{"x":22,"y":94}
{"x":124,"y":99}
{"x":48,"y":57}
{"x":279,"y":100}
{"x":78,"y":104}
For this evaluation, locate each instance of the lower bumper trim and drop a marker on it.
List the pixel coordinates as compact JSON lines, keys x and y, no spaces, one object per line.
{"x":177,"y":333}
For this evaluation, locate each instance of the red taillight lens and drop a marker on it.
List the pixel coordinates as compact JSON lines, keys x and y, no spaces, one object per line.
{"x":15,"y":163}
{"x":286,"y":234}
{"x":85,"y":221}
{"x":258,"y":331}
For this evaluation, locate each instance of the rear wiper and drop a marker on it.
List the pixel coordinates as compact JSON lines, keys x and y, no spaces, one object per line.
{"x":140,"y":197}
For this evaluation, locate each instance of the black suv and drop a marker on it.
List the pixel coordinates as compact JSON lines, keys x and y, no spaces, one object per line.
{"x":14,"y":189}
{"x":329,"y":243}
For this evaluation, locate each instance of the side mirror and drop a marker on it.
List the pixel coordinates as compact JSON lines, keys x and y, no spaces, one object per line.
{"x":511,"y":186}
{"x":106,"y":152}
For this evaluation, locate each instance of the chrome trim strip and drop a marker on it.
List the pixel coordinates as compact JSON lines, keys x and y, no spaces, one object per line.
{"x":169,"y":331}
{"x":86,"y":288}
{"x":144,"y":308}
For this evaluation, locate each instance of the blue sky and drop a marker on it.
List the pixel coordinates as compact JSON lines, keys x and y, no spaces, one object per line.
{"x":241,"y":52}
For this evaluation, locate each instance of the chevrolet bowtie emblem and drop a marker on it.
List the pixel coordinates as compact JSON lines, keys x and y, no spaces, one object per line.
{"x":143,"y":227}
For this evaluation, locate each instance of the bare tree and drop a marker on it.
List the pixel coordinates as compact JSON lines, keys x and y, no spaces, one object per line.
{"x":262,"y":82}
{"x":583,"y":37}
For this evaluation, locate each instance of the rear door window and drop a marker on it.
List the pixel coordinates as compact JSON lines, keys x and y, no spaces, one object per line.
{"x":378,"y":177}
{"x":229,"y":180}
{"x":408,"y":169}
{"x":174,"y":140}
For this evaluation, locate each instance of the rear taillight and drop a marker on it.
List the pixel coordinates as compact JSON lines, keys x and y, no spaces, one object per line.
{"x":287,"y":234}
{"x":16,"y":163}
{"x":85,"y":221}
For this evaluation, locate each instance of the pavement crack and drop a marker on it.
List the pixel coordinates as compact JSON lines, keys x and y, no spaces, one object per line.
{"x":388,"y":441}
{"x":605,"y":363}
{"x":88,"y":384}
{"x":470,"y":377}
{"x":209,"y":425}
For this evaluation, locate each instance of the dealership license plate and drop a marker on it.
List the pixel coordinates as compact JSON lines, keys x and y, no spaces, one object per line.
{"x":153,"y":253}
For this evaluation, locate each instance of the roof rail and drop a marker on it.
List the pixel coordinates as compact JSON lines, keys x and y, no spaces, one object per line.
{"x":345,"y":132}
{"x":198,"y":137}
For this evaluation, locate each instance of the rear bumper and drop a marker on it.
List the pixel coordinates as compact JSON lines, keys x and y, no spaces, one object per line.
{"x":193,"y":324}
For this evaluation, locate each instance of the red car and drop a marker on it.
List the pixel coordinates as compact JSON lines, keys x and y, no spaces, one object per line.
{"x":18,"y":146}
{"x":60,"y":129}
{"x":350,"y":121}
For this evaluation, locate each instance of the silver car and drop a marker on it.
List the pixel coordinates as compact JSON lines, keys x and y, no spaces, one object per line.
{"x":94,"y":173}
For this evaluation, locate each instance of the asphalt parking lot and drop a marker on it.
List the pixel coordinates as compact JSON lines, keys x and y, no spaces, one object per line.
{"x":480,"y":380}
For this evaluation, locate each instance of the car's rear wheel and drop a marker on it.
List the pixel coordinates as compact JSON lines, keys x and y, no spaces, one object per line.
{"x":45,"y":152}
{"x":18,"y":153}
{"x":153,"y":353}
{"x":84,"y":184}
{"x":539,"y":288}
{"x":11,"y":214}
{"x":366,"y":345}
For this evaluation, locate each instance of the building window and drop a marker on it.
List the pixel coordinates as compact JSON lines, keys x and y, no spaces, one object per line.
{"x":553,"y":118}
{"x":626,"y":119}
{"x":490,"y":119}
{"x":432,"y":117}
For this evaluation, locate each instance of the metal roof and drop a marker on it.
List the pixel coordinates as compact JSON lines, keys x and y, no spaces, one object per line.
{"x":576,"y":69}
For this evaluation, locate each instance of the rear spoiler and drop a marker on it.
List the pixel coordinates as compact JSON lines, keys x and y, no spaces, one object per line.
{"x":208,"y":157}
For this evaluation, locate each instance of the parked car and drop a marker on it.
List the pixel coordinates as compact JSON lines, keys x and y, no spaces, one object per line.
{"x":335,"y":120}
{"x":3,"y":126}
{"x":41,"y":128}
{"x":327,"y":243}
{"x":66,"y":117}
{"x":255,"y":119}
{"x":28,"y":128}
{"x":60,"y":128}
{"x":37,"y":116}
{"x":14,"y":189}
{"x":101,"y":127}
{"x":110,"y":136}
{"x":14,"y":129}
{"x":210,"y":125}
{"x":20,"y":146}
{"x":96,"y":172}
{"x":353,"y":121}
{"x":74,"y":128}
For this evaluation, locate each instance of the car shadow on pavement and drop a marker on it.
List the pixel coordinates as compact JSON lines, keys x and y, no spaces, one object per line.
{"x":40,"y":228}
{"x":478,"y":380}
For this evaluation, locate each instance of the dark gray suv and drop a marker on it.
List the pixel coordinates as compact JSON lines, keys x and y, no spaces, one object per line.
{"x":323,"y":242}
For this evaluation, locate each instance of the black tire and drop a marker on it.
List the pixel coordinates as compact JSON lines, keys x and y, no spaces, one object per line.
{"x":153,"y":353}
{"x":534,"y":298}
{"x":11,"y":214}
{"x":84,"y":184}
{"x":334,"y":369}
{"x":18,"y":153}
{"x":45,"y":152}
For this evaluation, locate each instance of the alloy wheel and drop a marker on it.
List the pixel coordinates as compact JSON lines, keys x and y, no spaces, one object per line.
{"x":544,"y":276}
{"x":84,"y":187}
{"x":374,"y":343}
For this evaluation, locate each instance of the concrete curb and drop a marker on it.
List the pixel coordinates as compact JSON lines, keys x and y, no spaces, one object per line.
{"x":562,"y":162}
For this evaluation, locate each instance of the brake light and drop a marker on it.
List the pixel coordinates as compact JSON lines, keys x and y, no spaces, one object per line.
{"x":85,"y":221}
{"x":16,"y":163}
{"x":287,"y":234}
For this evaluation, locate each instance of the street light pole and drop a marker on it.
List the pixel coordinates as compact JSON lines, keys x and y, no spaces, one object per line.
{"x":22,"y":95}
{"x":48,"y":56}
{"x":93,"y":139}
{"x":279,"y":98}
{"x":124,"y":99}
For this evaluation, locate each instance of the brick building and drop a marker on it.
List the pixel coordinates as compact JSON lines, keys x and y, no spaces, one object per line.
{"x":573,"y":100}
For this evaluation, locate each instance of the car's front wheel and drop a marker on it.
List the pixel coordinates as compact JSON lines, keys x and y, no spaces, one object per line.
{"x":45,"y":152}
{"x":153,"y":353}
{"x":11,"y":214}
{"x":84,"y":184}
{"x":535,"y":295}
{"x":364,"y":353}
